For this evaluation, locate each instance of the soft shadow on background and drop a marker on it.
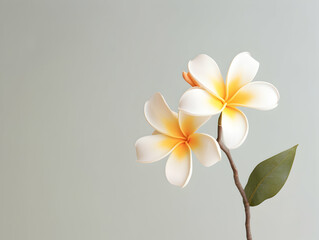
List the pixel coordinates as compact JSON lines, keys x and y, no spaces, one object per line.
{"x":74,"y":76}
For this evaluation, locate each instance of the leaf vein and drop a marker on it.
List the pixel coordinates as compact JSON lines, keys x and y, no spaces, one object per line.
{"x":263,"y":179}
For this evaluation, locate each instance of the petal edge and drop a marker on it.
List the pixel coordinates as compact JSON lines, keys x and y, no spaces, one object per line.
{"x":154,"y":147}
{"x":257,"y":95}
{"x":178,"y":168}
{"x":198,"y":102}
{"x":242,"y":70}
{"x":207,"y":74}
{"x":161,"y":117}
{"x":205,"y":148}
{"x":235,"y":127}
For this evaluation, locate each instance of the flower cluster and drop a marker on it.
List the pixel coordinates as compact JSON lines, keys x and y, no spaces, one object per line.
{"x":175,"y":133}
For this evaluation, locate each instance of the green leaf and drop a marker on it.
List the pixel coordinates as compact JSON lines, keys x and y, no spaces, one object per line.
{"x":269,"y":177}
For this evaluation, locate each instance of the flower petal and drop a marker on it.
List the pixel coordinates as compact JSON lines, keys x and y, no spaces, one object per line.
{"x":188,"y":78}
{"x":205,"y":148}
{"x":235,"y":127}
{"x":155,"y":147}
{"x":161,"y":117}
{"x":207,"y":74}
{"x":259,"y":95}
{"x":189,"y":124}
{"x":198,"y":102}
{"x":179,"y":166}
{"x":242,"y":70}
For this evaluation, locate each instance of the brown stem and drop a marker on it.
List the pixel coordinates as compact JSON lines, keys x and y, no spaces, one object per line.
{"x":236,"y":179}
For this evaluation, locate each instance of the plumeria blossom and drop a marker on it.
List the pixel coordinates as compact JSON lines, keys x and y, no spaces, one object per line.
{"x":175,"y":135}
{"x":210,"y":95}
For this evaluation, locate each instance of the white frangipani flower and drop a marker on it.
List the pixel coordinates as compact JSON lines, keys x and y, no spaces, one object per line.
{"x":210,"y":95}
{"x":175,"y":135}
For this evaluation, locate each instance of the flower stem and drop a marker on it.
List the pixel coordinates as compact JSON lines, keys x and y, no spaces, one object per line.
{"x":236,"y":179}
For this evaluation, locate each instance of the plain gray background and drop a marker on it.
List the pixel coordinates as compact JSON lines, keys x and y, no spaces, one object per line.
{"x":74,"y":76}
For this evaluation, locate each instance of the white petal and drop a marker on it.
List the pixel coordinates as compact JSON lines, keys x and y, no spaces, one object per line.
{"x":242,"y":70}
{"x":161,"y":117}
{"x":155,"y":147}
{"x":198,"y":102}
{"x":235,"y":127}
{"x":258,"y":95}
{"x":179,"y":166}
{"x":189,"y":124}
{"x":205,"y":148}
{"x":206,"y":72}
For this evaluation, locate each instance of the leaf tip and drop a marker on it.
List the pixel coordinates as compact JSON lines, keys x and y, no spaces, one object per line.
{"x":295,"y":147}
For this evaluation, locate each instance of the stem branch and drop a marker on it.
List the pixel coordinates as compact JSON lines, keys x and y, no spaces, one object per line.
{"x":236,"y":179}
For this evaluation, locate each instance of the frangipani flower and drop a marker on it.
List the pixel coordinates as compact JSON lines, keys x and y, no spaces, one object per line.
{"x":210,"y":95}
{"x":175,"y":135}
